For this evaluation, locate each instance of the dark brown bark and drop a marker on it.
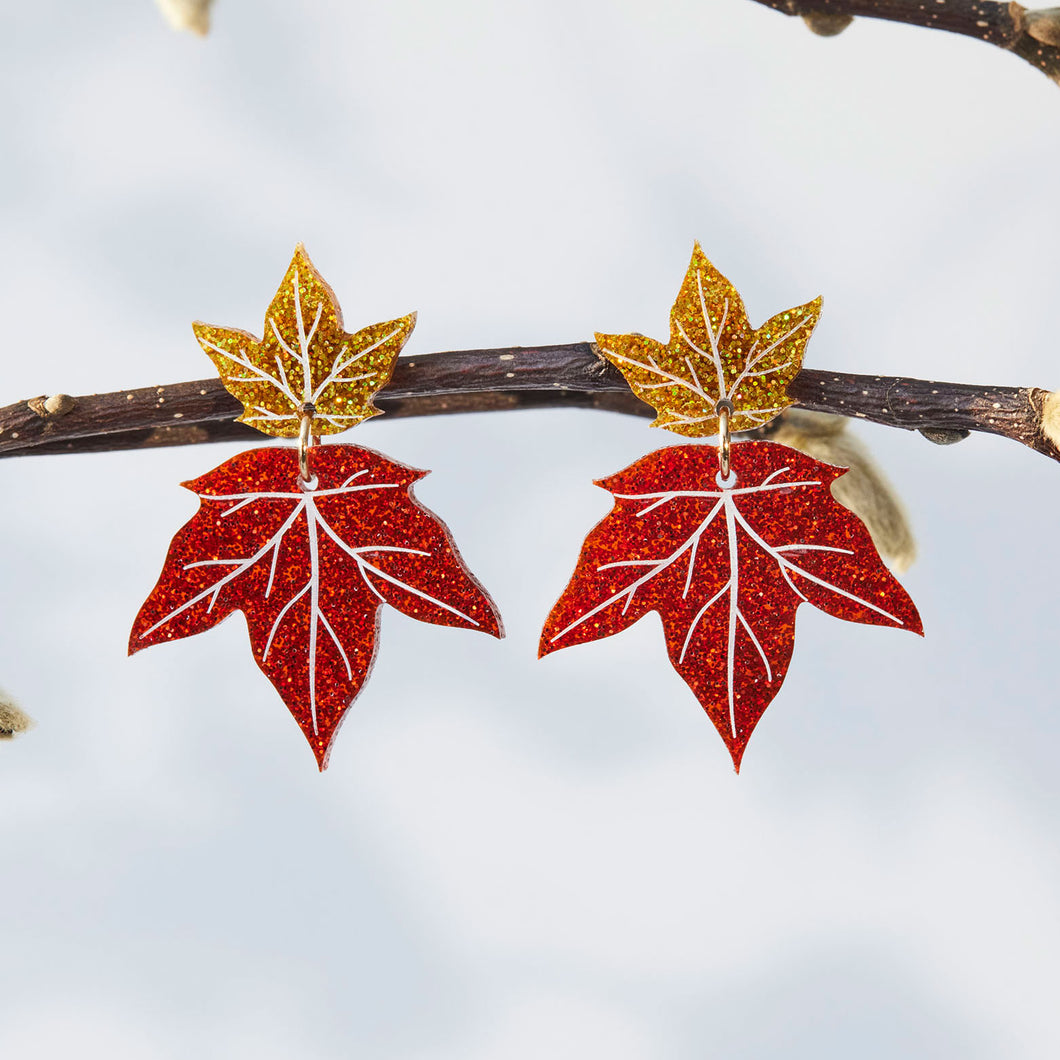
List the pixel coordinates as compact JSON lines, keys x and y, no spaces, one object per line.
{"x":568,"y":376}
{"x":1034,"y":35}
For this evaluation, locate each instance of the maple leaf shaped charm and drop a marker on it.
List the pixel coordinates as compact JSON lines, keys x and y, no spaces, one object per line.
{"x":305,"y":359}
{"x":726,"y":568}
{"x":309,"y":568}
{"x":714,"y":355}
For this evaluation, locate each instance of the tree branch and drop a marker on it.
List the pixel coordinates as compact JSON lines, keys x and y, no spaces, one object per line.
{"x":568,"y":376}
{"x":1034,"y":35}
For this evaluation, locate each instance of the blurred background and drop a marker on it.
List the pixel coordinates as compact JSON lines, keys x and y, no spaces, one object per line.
{"x":512,"y":858}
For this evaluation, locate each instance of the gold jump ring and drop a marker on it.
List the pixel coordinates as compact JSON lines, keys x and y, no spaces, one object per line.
{"x":724,"y":409}
{"x":305,"y":440}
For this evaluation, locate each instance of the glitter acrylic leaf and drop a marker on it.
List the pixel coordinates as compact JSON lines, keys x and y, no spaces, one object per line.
{"x":305,"y":359}
{"x":310,"y":568}
{"x":714,"y":354}
{"x":726,"y":567}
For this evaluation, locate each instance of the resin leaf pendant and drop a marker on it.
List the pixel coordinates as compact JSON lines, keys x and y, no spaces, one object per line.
{"x":714,"y":355}
{"x":305,"y":359}
{"x":726,"y":568}
{"x":309,"y":542}
{"x":310,"y":568}
{"x":725,"y":545}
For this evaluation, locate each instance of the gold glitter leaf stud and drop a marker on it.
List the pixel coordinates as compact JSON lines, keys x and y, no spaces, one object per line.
{"x":714,"y":355}
{"x":305,"y":359}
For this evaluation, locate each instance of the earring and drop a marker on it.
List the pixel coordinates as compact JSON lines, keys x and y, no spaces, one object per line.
{"x":725,"y":545}
{"x":309,"y":542}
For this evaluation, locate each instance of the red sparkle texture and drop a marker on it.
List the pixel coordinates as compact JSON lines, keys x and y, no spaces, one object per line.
{"x":309,"y":568}
{"x":726,"y":568}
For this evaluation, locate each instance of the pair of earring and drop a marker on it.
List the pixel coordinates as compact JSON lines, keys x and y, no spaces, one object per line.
{"x":723,"y":542}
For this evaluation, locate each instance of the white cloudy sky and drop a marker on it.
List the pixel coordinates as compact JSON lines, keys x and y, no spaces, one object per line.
{"x":511,"y":858}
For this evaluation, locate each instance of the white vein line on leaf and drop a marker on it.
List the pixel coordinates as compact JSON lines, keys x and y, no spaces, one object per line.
{"x":814,"y":548}
{"x":317,"y":617}
{"x":314,"y":600}
{"x":334,"y":492}
{"x":695,"y":375}
{"x":279,"y":619}
{"x":286,"y":349}
{"x":733,"y":518}
{"x":214,"y":562}
{"x":272,"y":565}
{"x":776,"y":553}
{"x":270,"y":416}
{"x":691,"y":567}
{"x":732,"y":587}
{"x":669,"y":495}
{"x":658,"y":566}
{"x":341,"y":366}
{"x":336,"y":420}
{"x":764,"y":371}
{"x":236,"y":507}
{"x":776,"y":474}
{"x":281,"y":370}
{"x":734,"y":601}
{"x":752,"y":361}
{"x":353,"y":378}
{"x":698,"y":388}
{"x":412,"y":589}
{"x":699,"y":614}
{"x":356,"y":555}
{"x":244,"y":565}
{"x":260,"y":373}
{"x":761,"y":416}
{"x":786,"y":564}
{"x":761,"y":652}
{"x":710,"y":332}
{"x":682,"y":418}
{"x":303,"y":339}
{"x":338,"y":644}
{"x":651,"y":366}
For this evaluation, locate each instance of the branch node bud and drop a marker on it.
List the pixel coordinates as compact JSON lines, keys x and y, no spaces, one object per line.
{"x":59,"y":404}
{"x":944,"y":435}
{"x":13,"y":720}
{"x":192,"y":15}
{"x":826,"y":23}
{"x":1051,"y":417}
{"x":52,"y":407}
{"x":1044,"y":25}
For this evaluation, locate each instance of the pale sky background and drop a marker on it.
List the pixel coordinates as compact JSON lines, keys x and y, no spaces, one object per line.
{"x":510,"y":858}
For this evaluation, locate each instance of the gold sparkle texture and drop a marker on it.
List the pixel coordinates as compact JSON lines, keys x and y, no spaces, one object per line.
{"x":305,"y":359}
{"x":713,"y":355}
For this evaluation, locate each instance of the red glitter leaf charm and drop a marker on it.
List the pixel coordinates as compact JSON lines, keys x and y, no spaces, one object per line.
{"x":726,"y":568}
{"x":309,"y":569}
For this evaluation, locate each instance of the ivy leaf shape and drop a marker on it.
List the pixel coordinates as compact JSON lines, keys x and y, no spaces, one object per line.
{"x":309,"y":568}
{"x":305,"y":359}
{"x":713,"y":355}
{"x":726,"y":567}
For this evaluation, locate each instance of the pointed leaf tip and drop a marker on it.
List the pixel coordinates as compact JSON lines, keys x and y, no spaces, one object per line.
{"x":322,"y":754}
